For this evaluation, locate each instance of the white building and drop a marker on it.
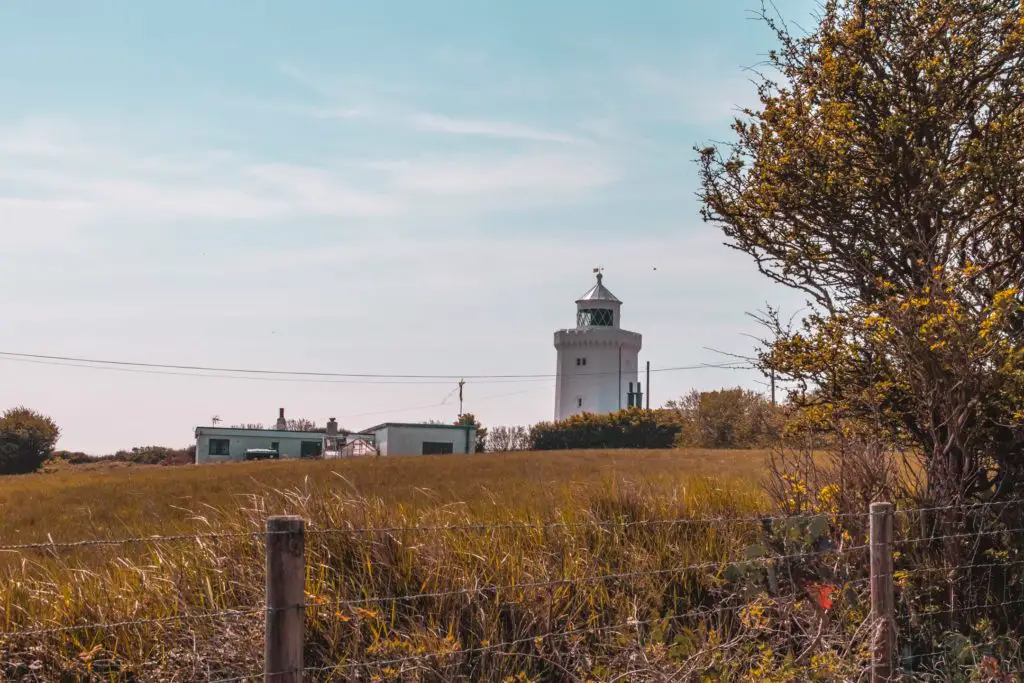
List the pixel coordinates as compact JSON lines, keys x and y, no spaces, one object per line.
{"x":224,"y":444}
{"x":598,"y":361}
{"x":399,"y":438}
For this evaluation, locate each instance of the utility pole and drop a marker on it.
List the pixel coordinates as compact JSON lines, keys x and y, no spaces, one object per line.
{"x":648,"y":385}
{"x":771,"y":374}
{"x":462,"y":383}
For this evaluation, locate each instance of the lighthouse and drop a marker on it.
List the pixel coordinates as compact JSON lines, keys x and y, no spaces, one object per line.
{"x":598,"y":361}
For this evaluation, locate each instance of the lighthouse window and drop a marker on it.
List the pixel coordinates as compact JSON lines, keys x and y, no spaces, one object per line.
{"x":581,"y":362}
{"x":595,"y":317}
{"x":579,"y":401}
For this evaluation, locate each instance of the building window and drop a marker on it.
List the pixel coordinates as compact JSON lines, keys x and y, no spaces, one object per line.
{"x":310,"y":449}
{"x":579,"y":401}
{"x":581,"y":362}
{"x":438,"y":448}
{"x":595,"y":317}
{"x":220,"y":446}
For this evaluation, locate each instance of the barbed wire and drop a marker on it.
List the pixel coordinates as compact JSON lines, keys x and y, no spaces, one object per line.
{"x":902,"y":573}
{"x":525,"y":526}
{"x":109,"y":626}
{"x":595,"y":578}
{"x":499,"y":526}
{"x":588,"y":630}
{"x":969,"y":608}
{"x":968,"y":506}
{"x":947,"y":537}
{"x":632,"y":623}
{"x":540,"y":526}
{"x":130,"y":540}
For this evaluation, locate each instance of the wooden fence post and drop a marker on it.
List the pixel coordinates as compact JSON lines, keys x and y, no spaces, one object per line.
{"x":286,"y":586}
{"x":883,"y":645}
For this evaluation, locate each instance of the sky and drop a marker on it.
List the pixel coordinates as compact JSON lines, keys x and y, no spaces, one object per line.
{"x":418,"y":188}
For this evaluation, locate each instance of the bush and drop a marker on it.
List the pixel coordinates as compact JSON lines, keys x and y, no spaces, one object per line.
{"x":74,"y":457}
{"x":630,"y":428}
{"x":157,"y":455}
{"x":727,"y":418}
{"x":27,"y":439}
{"x":505,"y":439}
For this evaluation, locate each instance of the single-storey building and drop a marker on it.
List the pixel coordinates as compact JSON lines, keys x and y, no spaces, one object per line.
{"x":223,"y":444}
{"x":402,"y":438}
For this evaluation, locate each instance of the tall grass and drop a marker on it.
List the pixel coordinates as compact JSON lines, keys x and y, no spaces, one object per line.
{"x":535,"y":567}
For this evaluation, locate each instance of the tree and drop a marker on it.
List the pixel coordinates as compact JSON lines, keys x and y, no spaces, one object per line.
{"x":883,"y":176}
{"x":726,"y":418}
{"x":301,"y":425}
{"x":468,"y":419}
{"x":504,"y":439}
{"x":27,"y":439}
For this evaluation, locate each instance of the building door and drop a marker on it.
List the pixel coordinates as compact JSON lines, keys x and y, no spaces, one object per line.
{"x":438,"y":448}
{"x":310,"y":449}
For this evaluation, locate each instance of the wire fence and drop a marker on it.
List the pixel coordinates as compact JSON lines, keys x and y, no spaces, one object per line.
{"x":807,"y":586}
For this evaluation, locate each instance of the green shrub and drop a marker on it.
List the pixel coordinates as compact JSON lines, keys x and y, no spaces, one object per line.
{"x":74,"y":457}
{"x":27,"y":439}
{"x":630,"y":428}
{"x":157,"y":455}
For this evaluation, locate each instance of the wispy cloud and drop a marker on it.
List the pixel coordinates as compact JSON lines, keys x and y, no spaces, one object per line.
{"x":488,"y":128}
{"x":43,"y":189}
{"x":343,"y":101}
{"x":524,"y":176}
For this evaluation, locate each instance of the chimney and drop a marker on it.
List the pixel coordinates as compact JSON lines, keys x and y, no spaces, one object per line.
{"x":332,"y":427}
{"x":282,"y":424}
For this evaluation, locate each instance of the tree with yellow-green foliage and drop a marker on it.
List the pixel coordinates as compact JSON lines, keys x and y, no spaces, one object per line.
{"x":882,"y":174}
{"x":727,"y":418}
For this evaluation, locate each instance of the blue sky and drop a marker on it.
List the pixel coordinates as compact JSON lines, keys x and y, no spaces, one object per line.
{"x":389,"y":187}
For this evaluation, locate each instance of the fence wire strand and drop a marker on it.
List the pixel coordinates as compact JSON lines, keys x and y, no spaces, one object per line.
{"x":588,"y":630}
{"x":109,"y":626}
{"x":502,"y":526}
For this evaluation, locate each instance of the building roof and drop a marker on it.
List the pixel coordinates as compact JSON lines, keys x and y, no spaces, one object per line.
{"x":287,"y":433}
{"x":598,"y":293}
{"x":415,"y":425}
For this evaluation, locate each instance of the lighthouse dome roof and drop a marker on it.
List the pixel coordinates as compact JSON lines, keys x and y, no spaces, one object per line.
{"x":598,"y":293}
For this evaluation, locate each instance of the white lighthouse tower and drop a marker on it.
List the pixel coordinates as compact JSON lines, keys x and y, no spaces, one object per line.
{"x":597,"y":360}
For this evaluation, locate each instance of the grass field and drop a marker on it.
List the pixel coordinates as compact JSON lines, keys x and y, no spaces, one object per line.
{"x":567,"y":589}
{"x":99,"y":501}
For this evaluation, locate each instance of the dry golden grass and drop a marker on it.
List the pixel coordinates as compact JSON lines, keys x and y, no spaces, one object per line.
{"x":616,"y":588}
{"x":104,"y":501}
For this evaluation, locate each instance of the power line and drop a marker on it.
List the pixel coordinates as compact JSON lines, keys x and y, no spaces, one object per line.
{"x":436,"y":405}
{"x":300,"y":375}
{"x":250,"y":378}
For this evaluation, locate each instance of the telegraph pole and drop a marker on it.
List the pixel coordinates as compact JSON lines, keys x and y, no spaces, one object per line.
{"x":462,"y":383}
{"x":771,"y":374}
